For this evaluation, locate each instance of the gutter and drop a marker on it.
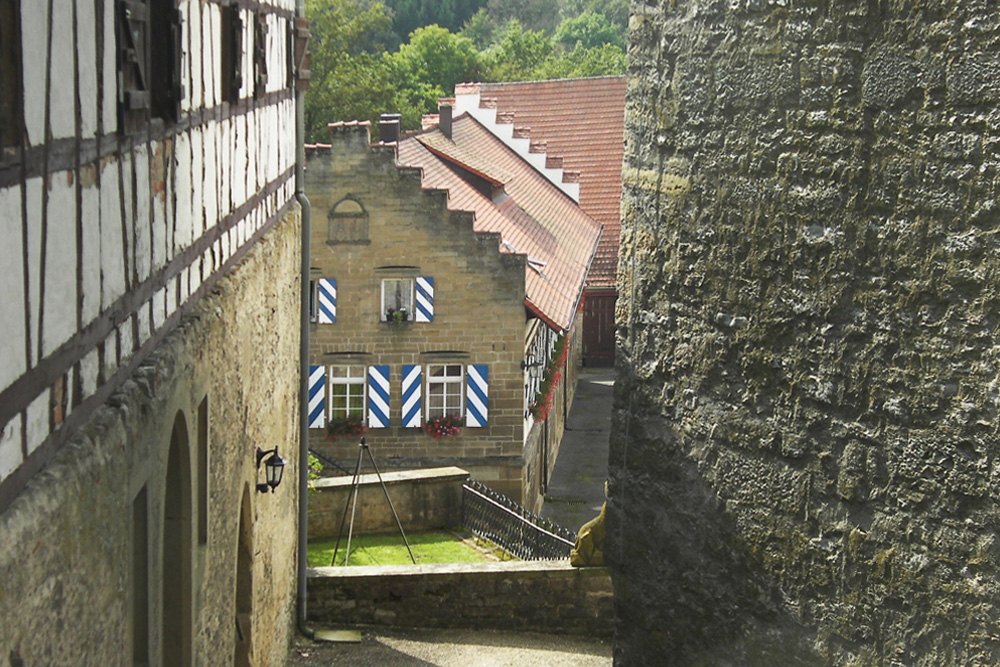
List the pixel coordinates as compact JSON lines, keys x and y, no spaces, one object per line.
{"x":300,"y":196}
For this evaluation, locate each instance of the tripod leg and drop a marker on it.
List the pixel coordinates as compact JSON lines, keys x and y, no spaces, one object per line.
{"x":354,"y":489}
{"x":394,"y":515}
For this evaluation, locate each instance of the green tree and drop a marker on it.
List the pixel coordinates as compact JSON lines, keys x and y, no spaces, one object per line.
{"x":603,"y":60}
{"x":408,"y":15}
{"x":589,"y":31}
{"x":481,"y":28}
{"x":616,"y":11}
{"x":350,"y":78}
{"x":539,"y":14}
{"x":428,"y":67}
{"x":520,"y":54}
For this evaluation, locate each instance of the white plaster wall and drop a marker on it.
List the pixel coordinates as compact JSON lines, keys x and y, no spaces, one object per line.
{"x":38,"y":421}
{"x":10,"y":446}
{"x":109,"y":110}
{"x":59,"y":321}
{"x":62,"y":91}
{"x":12,"y":362}
{"x":34,"y":205}
{"x":34,"y":29}
{"x":90,"y":202}
{"x":87,"y":65}
{"x":184,"y":231}
{"x":143,"y":240}
{"x":112,"y":255}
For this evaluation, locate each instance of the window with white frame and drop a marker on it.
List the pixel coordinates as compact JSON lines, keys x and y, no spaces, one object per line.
{"x":347,"y":392}
{"x":397,"y":297}
{"x":445,"y":384}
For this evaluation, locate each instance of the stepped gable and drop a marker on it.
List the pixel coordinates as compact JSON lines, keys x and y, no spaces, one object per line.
{"x":580,"y":121}
{"x":509,"y":197}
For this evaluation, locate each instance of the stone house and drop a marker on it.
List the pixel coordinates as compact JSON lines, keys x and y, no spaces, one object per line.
{"x":486,"y":257}
{"x":151,"y":248}
{"x":576,"y":126}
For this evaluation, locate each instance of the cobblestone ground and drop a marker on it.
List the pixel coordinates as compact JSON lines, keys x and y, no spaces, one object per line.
{"x":454,"y":648}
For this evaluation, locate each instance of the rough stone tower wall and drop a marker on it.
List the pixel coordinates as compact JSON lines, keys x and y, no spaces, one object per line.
{"x":804,"y":465}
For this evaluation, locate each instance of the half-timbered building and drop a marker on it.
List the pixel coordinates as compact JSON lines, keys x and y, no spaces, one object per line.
{"x":448,"y":280}
{"x":150,"y":287}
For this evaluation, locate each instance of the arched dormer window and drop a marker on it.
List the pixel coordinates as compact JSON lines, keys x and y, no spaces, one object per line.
{"x":347,"y":222}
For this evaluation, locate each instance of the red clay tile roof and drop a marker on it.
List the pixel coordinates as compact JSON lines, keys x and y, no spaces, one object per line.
{"x":532,"y":216}
{"x":582,"y":122}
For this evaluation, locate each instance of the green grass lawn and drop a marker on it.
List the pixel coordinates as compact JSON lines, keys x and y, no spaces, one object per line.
{"x":389,"y":549}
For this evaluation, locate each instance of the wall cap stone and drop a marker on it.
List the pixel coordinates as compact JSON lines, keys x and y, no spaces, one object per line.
{"x":425,"y":476}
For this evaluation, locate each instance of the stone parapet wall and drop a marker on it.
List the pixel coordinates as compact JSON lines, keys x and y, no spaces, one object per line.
{"x":423,"y":500}
{"x":538,"y":596}
{"x":803,"y":460}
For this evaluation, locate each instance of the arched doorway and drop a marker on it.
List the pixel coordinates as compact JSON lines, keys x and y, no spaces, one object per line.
{"x":244,"y":585}
{"x":176,"y":619}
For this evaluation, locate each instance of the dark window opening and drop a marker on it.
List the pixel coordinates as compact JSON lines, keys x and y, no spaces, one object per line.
{"x":232,"y":53}
{"x":11,"y":98}
{"x":259,"y":54}
{"x":149,"y":62}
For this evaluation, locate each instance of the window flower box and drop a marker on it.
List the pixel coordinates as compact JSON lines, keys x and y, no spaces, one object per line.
{"x":443,"y":427}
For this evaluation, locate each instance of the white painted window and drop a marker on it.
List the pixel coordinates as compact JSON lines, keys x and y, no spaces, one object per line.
{"x":445,"y":384}
{"x":347,"y":392}
{"x":397,"y":296}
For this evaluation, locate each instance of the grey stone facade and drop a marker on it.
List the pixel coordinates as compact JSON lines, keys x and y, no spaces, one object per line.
{"x":803,"y":462}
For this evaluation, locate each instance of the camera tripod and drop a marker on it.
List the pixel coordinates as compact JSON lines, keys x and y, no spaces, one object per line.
{"x":352,"y":503}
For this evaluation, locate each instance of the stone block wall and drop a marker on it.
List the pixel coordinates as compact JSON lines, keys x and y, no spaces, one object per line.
{"x":804,"y":456}
{"x":537,"y":596}
{"x":69,"y":560}
{"x":423,"y":500}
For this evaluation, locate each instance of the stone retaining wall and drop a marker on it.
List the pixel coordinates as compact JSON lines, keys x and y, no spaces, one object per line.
{"x":540,"y":596}
{"x":423,"y":499}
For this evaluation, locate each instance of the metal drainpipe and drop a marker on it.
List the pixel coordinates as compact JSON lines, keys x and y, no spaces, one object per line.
{"x":303,"y":532}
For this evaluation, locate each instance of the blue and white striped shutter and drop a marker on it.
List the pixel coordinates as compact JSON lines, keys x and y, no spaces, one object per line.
{"x":378,"y":396}
{"x":317,"y":393}
{"x":425,"y":299}
{"x":476,"y":395}
{"x":327,"y":306}
{"x":412,"y":379}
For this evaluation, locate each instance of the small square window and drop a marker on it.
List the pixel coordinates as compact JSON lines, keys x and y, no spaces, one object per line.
{"x":397,"y":297}
{"x":445,"y":385}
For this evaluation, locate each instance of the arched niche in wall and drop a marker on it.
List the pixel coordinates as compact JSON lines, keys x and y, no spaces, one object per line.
{"x":347,"y":222}
{"x":176,"y":561}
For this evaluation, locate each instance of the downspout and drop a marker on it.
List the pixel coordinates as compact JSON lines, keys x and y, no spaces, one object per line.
{"x":300,"y":196}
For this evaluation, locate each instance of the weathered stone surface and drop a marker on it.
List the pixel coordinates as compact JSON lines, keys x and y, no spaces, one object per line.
{"x":803,"y":462}
{"x":539,"y":596}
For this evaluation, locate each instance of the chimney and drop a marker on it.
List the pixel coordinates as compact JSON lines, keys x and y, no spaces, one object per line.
{"x":388,"y":128}
{"x":444,"y":120}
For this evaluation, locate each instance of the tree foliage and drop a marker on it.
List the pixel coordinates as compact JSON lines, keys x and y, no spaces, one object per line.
{"x":589,"y":31}
{"x":361,"y":66}
{"x":349,"y":78}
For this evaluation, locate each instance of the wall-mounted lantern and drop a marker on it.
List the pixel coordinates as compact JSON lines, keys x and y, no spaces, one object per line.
{"x":274,"y":466}
{"x":533,"y":367}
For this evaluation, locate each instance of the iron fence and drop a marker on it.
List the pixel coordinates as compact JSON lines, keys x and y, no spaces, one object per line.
{"x":524,"y":534}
